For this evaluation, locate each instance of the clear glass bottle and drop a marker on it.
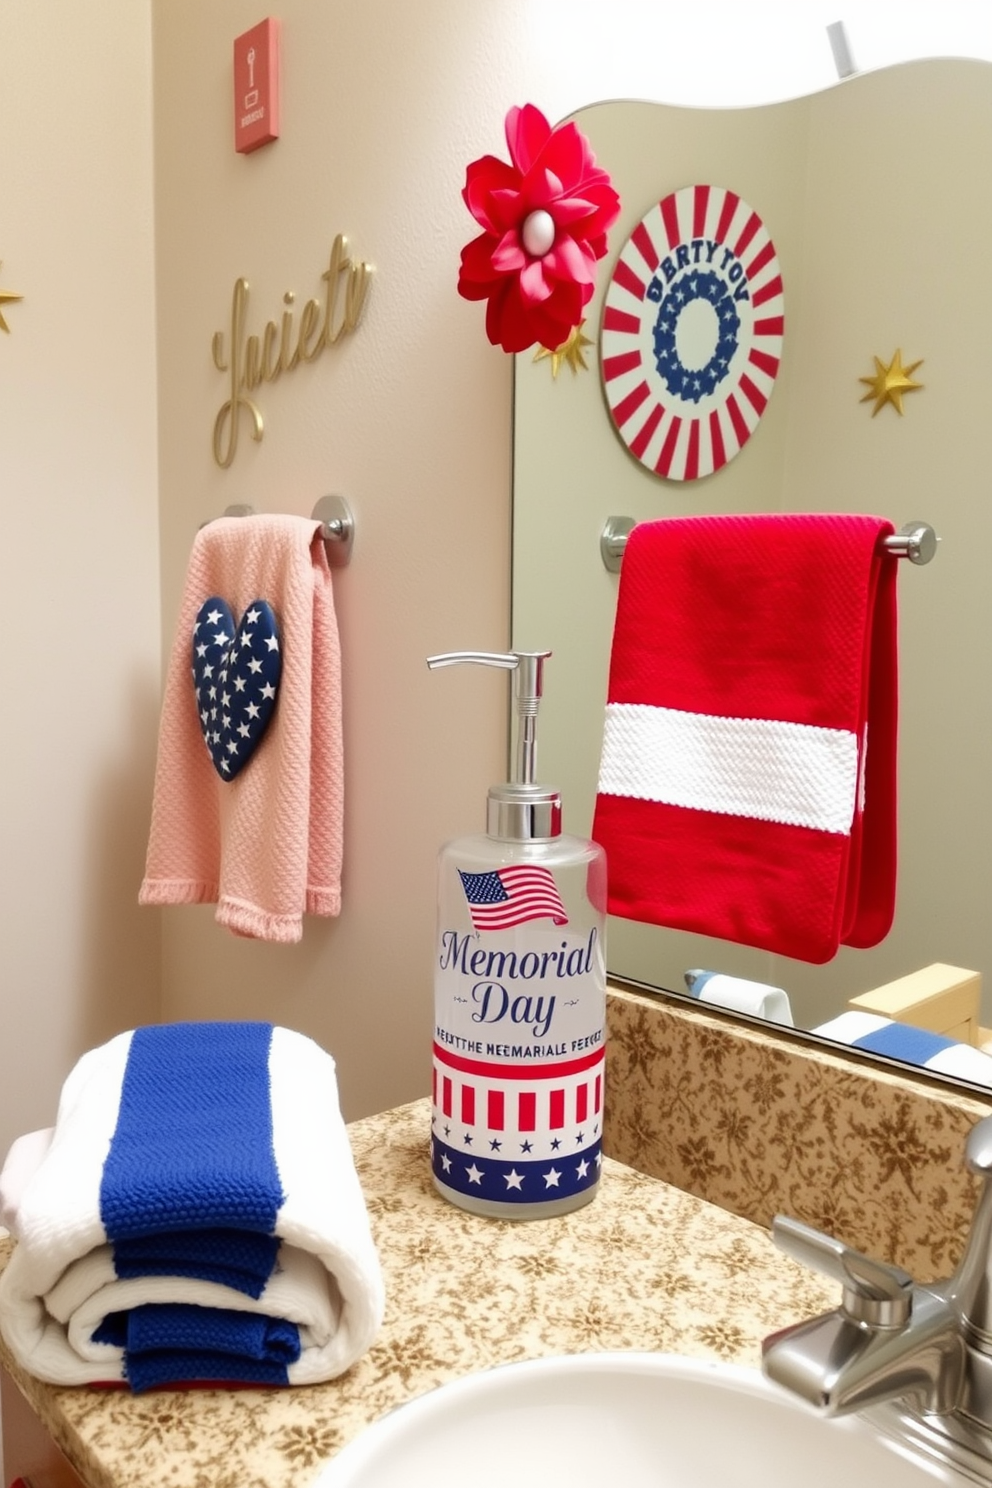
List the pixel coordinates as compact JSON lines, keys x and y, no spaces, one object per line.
{"x":520,"y":995}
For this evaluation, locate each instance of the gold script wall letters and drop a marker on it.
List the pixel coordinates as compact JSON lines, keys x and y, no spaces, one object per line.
{"x":282,"y":346}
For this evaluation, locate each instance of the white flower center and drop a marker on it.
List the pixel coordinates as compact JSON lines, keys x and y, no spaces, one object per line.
{"x":538,"y":232}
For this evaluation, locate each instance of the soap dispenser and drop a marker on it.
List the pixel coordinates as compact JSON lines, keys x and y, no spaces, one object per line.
{"x":520,"y":993}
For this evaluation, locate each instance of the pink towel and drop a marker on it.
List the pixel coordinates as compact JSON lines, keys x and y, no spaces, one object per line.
{"x":748,"y":779}
{"x":265,"y":847}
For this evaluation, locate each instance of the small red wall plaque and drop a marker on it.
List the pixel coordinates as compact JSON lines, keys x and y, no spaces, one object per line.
{"x":256,"y":86}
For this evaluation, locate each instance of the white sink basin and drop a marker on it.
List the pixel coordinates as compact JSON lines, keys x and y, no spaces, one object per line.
{"x":636,"y":1420}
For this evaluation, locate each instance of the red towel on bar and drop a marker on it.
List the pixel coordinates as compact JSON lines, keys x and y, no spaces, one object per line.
{"x":748,"y":780}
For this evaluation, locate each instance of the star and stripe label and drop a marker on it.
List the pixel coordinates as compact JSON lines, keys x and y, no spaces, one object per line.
{"x":518,"y":1055}
{"x":517,"y":1135}
{"x":691,"y":339}
{"x":497,"y":1181}
{"x":236,"y":672}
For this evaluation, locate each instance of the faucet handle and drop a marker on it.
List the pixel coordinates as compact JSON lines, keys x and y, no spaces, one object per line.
{"x":874,"y":1293}
{"x":978,"y":1148}
{"x":971,"y":1279}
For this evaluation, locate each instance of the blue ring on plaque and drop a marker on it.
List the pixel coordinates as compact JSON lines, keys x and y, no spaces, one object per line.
{"x":683,"y":382}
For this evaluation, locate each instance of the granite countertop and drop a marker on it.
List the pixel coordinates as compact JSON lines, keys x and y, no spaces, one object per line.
{"x":645,"y":1266}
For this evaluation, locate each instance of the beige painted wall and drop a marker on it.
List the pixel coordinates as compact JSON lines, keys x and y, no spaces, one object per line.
{"x":78,"y":539}
{"x":409,"y":418}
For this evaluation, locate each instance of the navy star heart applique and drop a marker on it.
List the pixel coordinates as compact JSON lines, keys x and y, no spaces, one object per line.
{"x":236,"y":671}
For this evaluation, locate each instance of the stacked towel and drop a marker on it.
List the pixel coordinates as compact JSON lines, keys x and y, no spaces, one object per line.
{"x":917,"y":1046}
{"x":195,"y":1215}
{"x":754,"y":659}
{"x":266,"y":847}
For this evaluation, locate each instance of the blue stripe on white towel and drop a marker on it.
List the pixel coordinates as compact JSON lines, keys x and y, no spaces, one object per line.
{"x":156,"y":1327}
{"x":173,"y":1343}
{"x":192,"y":1154}
{"x":183,"y":1327}
{"x":162,"y":1370}
{"x":176,"y":1350}
{"x":901,"y":1041}
{"x":235,"y":1258}
{"x":916,"y":1046}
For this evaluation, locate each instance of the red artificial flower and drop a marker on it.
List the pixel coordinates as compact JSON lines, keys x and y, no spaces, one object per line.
{"x":544,"y":219}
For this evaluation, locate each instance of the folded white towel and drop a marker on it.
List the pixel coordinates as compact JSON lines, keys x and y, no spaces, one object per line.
{"x":918,"y":1046}
{"x":739,"y":995}
{"x":297,"y":1291}
{"x":199,"y":1177}
{"x":20,"y":1164}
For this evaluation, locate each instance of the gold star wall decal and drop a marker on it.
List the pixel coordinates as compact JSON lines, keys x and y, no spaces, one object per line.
{"x":5,"y":296}
{"x":890,"y":382}
{"x":570,"y":351}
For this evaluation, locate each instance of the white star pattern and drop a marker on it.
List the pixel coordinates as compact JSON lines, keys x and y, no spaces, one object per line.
{"x":248,"y":684}
{"x":529,"y":1139}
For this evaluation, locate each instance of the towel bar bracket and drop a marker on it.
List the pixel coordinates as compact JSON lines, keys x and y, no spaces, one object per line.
{"x":916,"y":541}
{"x":237,"y":509}
{"x":337,"y":526}
{"x":338,"y":530}
{"x":613,"y":540}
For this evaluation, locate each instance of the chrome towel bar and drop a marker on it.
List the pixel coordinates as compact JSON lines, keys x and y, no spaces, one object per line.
{"x":916,"y":541}
{"x":337,"y":526}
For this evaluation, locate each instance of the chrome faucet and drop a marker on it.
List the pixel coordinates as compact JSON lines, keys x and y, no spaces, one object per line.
{"x":916,"y":1360}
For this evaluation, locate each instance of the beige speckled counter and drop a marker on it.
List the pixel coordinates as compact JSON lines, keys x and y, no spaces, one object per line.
{"x":645,"y":1266}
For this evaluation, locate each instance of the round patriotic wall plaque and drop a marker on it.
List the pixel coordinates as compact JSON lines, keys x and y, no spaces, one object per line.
{"x":692,"y":332}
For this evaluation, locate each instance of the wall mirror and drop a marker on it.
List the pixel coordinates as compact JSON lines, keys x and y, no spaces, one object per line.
{"x":877,"y":194}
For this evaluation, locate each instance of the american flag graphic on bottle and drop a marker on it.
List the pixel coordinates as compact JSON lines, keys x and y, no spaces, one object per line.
{"x":519,"y":1037}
